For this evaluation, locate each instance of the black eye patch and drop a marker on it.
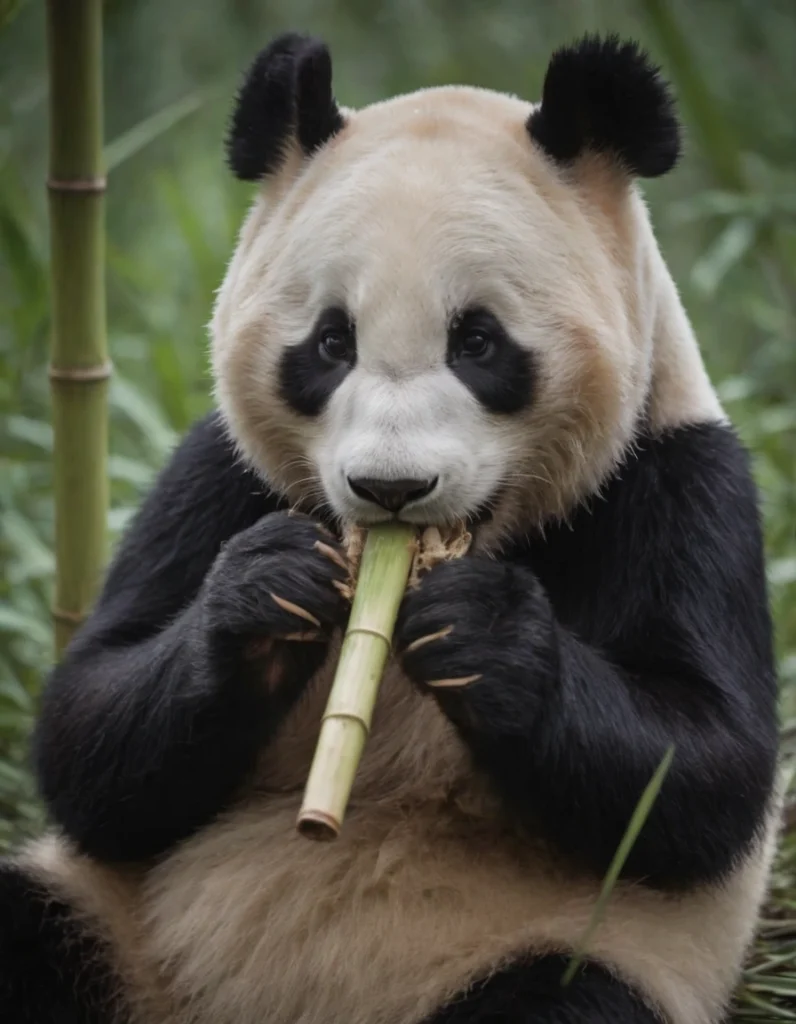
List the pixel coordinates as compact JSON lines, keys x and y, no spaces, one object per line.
{"x":310,"y":371}
{"x":489,"y":362}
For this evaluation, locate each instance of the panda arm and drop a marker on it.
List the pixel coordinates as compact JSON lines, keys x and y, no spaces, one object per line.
{"x":148,"y":724}
{"x":651,"y":629}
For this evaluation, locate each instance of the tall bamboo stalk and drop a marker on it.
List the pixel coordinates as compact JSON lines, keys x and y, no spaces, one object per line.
{"x":79,"y":367}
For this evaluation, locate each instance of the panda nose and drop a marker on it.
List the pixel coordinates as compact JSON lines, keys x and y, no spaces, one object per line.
{"x":391,"y":494}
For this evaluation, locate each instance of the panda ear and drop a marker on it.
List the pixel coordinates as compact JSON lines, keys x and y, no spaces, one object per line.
{"x":286,"y":94}
{"x":605,"y":96}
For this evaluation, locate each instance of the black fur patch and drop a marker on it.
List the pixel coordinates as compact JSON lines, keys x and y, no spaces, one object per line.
{"x":156,"y":714}
{"x":642,"y":623}
{"x":286,"y":93}
{"x":307,"y":380}
{"x":532,"y":992}
{"x":52,"y":971}
{"x":502,"y":378}
{"x":606,"y":96}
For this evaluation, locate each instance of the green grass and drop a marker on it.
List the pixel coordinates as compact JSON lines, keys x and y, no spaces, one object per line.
{"x":726,"y":220}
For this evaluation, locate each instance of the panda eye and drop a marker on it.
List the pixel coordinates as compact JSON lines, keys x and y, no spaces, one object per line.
{"x":334,"y":346}
{"x":476,"y":344}
{"x":474,"y":336}
{"x":336,"y":342}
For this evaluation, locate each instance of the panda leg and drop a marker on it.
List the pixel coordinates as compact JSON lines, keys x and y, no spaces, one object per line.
{"x":52,"y":971}
{"x":531,"y":993}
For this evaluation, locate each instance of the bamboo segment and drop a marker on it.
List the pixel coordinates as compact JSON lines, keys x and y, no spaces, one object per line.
{"x":79,"y":367}
{"x":383,"y":574}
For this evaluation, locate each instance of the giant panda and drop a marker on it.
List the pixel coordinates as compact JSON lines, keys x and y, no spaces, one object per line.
{"x":448,"y":305}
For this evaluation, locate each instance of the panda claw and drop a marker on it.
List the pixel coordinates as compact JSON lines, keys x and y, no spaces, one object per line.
{"x":423,"y":640}
{"x":335,"y":556}
{"x":453,"y":683}
{"x":345,"y":589}
{"x":295,"y":609}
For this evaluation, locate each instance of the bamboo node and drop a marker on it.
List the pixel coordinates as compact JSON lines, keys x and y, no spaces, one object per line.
{"x":68,"y":618}
{"x":81,"y":373}
{"x":350,"y":716}
{"x":96,"y":184}
{"x":369,"y":632}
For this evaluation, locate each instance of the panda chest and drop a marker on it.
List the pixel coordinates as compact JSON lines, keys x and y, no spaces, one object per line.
{"x":411,"y":750}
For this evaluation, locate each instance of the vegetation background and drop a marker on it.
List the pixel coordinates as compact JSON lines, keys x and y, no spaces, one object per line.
{"x":726,"y":220}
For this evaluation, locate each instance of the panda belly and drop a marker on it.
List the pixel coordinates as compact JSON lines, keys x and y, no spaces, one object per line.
{"x":421,"y":894}
{"x":393,"y":921}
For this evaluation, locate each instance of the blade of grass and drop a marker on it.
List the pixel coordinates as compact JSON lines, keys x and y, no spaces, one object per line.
{"x":639,"y":816}
{"x":775,"y":1012}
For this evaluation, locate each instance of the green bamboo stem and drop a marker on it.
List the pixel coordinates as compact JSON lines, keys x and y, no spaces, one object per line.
{"x":383,"y":575}
{"x":79,"y":368}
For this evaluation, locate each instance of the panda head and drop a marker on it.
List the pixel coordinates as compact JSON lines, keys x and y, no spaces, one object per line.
{"x":449,"y":304}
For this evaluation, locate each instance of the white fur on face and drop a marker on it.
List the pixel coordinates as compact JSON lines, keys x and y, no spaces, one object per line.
{"x":421,"y":207}
{"x":419,"y":426}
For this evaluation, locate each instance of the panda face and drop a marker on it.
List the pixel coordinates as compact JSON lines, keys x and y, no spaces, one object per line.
{"x":421,"y":441}
{"x":409,"y":380}
{"x":430,"y":319}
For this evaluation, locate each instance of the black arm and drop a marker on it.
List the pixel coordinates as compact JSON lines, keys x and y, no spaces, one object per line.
{"x":642,"y":623}
{"x":154,"y":717}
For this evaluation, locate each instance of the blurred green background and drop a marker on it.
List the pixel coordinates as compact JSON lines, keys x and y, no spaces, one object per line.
{"x":726,"y":220}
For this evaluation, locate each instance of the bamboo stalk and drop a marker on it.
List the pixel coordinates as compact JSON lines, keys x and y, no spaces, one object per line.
{"x":383,"y":575}
{"x":79,"y":368}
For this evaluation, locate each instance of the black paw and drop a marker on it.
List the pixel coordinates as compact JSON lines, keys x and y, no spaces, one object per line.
{"x":479,"y":633}
{"x":277,"y":582}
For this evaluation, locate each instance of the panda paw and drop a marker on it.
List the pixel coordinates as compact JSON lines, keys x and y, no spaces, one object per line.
{"x":479,"y":632}
{"x":281,"y":579}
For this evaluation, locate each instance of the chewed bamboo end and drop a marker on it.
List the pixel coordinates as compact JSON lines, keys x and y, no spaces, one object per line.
{"x":318,"y":825}
{"x":439,"y":545}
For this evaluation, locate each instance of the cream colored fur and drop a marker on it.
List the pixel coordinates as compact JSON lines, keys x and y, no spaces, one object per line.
{"x":422,"y":204}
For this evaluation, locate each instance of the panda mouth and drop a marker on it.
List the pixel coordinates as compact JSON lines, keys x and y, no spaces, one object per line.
{"x":473,"y":520}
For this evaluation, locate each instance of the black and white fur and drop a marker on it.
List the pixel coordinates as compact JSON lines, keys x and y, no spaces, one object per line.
{"x":499,"y":332}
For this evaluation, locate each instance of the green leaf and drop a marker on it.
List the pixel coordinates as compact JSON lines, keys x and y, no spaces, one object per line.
{"x":128,"y":145}
{"x":12,"y":620}
{"x":729,"y":248}
{"x":38,"y":433}
{"x":140,"y":409}
{"x":131,"y":471}
{"x":30,"y":558}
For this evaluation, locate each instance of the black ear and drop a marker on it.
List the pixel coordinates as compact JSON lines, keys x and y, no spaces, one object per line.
{"x":286,"y":94}
{"x":605,"y":96}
